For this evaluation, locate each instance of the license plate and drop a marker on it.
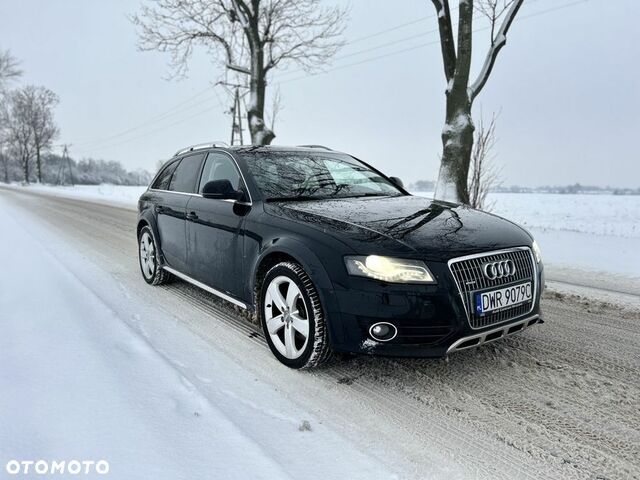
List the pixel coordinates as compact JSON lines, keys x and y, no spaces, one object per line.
{"x":503,"y":298}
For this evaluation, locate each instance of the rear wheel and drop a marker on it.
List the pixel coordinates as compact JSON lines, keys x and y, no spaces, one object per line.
{"x":292,"y":317}
{"x":150,"y":267}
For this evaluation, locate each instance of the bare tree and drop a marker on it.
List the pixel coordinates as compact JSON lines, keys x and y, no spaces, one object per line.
{"x":457,"y":135}
{"x":8,"y":69}
{"x":484,"y":175}
{"x":250,"y":37}
{"x":19,"y":135}
{"x":29,"y":125}
{"x":42,"y":123}
{"x":276,"y":108}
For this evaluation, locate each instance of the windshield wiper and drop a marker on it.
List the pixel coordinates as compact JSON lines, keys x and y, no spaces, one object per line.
{"x":370,"y":195}
{"x":299,"y":198}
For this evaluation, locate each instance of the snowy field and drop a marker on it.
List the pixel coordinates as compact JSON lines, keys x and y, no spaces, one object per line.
{"x":594,"y":233}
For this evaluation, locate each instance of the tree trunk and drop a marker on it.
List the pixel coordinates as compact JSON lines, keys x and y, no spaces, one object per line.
{"x":38,"y":164}
{"x":457,"y":143}
{"x":260,"y":134}
{"x":25,"y":169}
{"x":457,"y":135}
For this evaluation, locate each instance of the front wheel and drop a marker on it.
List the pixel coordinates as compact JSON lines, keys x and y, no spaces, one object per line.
{"x":292,"y":317}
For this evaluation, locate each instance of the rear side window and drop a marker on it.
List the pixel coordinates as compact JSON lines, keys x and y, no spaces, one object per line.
{"x":186,"y":175}
{"x":162,"y":181}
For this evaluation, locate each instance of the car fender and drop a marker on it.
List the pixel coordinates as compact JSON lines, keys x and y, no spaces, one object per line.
{"x":297,"y":249}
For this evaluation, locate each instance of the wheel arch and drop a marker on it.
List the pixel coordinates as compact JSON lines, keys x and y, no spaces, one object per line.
{"x":296,"y":251}
{"x":141,"y":224}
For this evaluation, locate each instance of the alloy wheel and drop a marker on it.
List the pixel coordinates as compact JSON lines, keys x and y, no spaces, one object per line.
{"x":286,"y":316}
{"x":147,"y":255}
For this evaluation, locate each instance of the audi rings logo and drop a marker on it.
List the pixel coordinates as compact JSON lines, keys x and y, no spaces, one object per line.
{"x":501,"y":269}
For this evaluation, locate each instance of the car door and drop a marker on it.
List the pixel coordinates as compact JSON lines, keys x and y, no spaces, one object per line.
{"x":171,"y":210}
{"x":215,"y":229}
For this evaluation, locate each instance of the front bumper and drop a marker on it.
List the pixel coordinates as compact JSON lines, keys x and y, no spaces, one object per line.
{"x":431,"y":319}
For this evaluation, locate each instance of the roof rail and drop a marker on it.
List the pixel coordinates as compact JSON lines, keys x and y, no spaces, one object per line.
{"x":316,"y":146}
{"x":200,"y":146}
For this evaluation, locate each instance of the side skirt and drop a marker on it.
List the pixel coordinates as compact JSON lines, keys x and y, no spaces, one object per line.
{"x":207,"y":288}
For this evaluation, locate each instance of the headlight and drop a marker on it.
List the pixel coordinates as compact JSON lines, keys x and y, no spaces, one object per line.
{"x":536,"y":251}
{"x":393,"y":270}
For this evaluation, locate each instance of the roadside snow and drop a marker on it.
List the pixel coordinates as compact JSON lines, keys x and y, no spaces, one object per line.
{"x":81,"y":382}
{"x":125,"y":196}
{"x":595,"y":233}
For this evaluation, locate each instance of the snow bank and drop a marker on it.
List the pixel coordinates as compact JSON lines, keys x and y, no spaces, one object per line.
{"x":125,"y":196}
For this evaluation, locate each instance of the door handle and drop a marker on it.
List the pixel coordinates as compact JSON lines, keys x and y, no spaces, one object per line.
{"x":192,"y":216}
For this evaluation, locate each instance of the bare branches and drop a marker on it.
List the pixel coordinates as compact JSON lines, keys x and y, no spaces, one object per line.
{"x":9,"y":68}
{"x":498,"y":40}
{"x":29,"y":123}
{"x":484,"y":175}
{"x":276,"y":108}
{"x":302,"y":32}
{"x":177,"y":26}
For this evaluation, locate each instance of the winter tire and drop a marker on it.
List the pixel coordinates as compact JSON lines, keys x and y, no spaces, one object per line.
{"x":292,"y":317}
{"x":148,"y":256}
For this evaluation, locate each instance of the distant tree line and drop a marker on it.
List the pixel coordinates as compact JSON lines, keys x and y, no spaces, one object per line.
{"x":27,"y":134}
{"x":576,"y":188}
{"x":58,"y":170}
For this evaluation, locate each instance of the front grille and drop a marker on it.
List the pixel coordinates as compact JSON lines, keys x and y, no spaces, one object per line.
{"x":469,"y":276}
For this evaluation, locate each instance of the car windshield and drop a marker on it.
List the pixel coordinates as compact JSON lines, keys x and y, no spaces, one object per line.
{"x":311,"y":176}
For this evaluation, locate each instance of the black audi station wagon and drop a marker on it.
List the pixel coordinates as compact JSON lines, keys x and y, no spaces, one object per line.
{"x":334,"y":256}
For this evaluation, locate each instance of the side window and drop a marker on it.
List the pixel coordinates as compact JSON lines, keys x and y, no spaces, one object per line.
{"x":220,"y":167}
{"x":186,"y":174}
{"x":162,"y":181}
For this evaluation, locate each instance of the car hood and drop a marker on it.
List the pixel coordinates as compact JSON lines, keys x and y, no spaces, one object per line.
{"x":406,"y":224}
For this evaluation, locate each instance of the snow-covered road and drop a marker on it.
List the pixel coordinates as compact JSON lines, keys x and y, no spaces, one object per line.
{"x":82,"y":379}
{"x":169,"y":382}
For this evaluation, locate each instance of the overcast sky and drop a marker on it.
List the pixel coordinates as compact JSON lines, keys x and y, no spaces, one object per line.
{"x":566,"y":85}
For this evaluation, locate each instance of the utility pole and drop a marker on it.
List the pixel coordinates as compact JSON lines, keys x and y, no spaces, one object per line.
{"x":65,"y":162}
{"x":236,"y":123}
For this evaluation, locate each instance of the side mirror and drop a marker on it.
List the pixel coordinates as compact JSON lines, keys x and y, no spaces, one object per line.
{"x":397,"y":182}
{"x":222,"y":190}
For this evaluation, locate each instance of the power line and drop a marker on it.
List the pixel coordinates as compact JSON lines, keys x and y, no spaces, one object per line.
{"x":178,"y":108}
{"x":422,"y":45}
{"x":129,"y":140}
{"x":384,"y":45}
{"x":173,"y":111}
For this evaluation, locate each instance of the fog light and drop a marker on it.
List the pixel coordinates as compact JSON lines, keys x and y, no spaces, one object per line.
{"x":383,"y":332}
